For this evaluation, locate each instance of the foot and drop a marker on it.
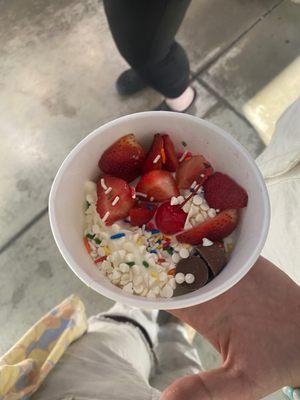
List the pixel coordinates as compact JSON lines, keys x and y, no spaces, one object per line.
{"x":129,"y":83}
{"x":184,"y":103}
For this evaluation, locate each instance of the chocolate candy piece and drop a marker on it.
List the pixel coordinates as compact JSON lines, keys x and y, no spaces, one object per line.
{"x":214,"y":256}
{"x":191,"y":265}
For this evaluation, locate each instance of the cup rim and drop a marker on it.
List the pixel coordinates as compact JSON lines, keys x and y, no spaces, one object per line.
{"x":174,"y":302}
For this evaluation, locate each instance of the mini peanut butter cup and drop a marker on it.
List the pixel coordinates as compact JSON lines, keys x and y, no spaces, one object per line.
{"x":214,"y":256}
{"x":191,"y":265}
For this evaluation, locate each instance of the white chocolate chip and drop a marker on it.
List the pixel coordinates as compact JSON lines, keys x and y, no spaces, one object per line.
{"x":211,"y":213}
{"x":96,"y":229}
{"x":105,"y":264}
{"x":206,"y":242}
{"x":175,"y":258}
{"x":100,"y":252}
{"x":135,"y":237}
{"x":123,"y":267}
{"x":172,"y":283}
{"x":174,"y":201}
{"x":193,"y":210}
{"x":197,"y":200}
{"x":122,"y":254}
{"x":115,"y":228}
{"x":187,"y":224}
{"x":204,"y":214}
{"x":163,"y":277}
{"x":109,"y":276}
{"x":189,"y":278}
{"x":125,"y":279}
{"x":114,"y":256}
{"x":151,"y":294}
{"x":137,"y":280}
{"x":199,"y":218}
{"x":180,"y":199}
{"x":130,"y":274}
{"x":204,"y":207}
{"x":142,"y":248}
{"x":136,"y":269}
{"x":138,"y":289}
{"x":179,"y":277}
{"x":186,"y":207}
{"x":129,"y":257}
{"x":130,"y":247}
{"x":151,"y":261}
{"x":165,"y":264}
{"x":103,"y":235}
{"x":155,"y":290}
{"x":167,"y":291}
{"x":128,"y":288}
{"x":184,"y":253}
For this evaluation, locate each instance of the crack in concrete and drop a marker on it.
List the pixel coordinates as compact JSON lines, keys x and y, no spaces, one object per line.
{"x":25,"y":228}
{"x":212,"y":61}
{"x":223,"y":101}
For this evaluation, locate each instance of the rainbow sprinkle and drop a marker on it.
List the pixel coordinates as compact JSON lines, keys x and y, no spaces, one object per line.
{"x":117,"y":236}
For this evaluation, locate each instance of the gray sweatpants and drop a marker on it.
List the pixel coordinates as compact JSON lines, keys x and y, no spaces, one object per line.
{"x":113,"y":360}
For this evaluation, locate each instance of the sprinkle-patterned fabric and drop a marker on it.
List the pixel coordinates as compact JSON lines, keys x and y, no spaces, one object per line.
{"x":29,"y":361}
{"x":291,"y":393}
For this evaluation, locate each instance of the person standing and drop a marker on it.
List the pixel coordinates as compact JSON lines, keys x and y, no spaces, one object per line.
{"x":144,"y":32}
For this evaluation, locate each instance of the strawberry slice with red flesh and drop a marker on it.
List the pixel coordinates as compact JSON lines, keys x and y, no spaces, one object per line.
{"x":142,"y":214}
{"x":190,"y":171}
{"x":170,"y":219}
{"x":171,"y":162}
{"x":150,"y":226}
{"x":222,"y":192}
{"x":123,"y":159}
{"x":154,"y":158}
{"x":157,"y":185}
{"x":122,"y":204}
{"x":213,"y":229}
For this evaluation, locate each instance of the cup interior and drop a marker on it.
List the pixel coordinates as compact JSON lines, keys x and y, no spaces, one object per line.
{"x":67,"y":198}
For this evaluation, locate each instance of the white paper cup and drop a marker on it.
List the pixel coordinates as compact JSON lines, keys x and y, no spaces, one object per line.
{"x":67,"y":198}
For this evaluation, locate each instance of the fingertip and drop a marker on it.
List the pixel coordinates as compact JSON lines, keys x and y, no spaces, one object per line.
{"x":181,"y":389}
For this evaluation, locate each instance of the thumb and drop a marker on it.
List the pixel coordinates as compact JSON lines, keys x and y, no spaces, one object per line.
{"x":218,"y":384}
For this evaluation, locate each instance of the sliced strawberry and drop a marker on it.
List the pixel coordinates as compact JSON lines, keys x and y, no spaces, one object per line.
{"x":123,"y":159}
{"x":105,"y":203}
{"x":216,"y":228}
{"x":171,"y":163}
{"x":150,"y":226}
{"x":223,"y":192}
{"x":157,"y":185}
{"x":191,"y":170}
{"x":142,"y":214}
{"x":170,"y":219}
{"x":154,"y":158}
